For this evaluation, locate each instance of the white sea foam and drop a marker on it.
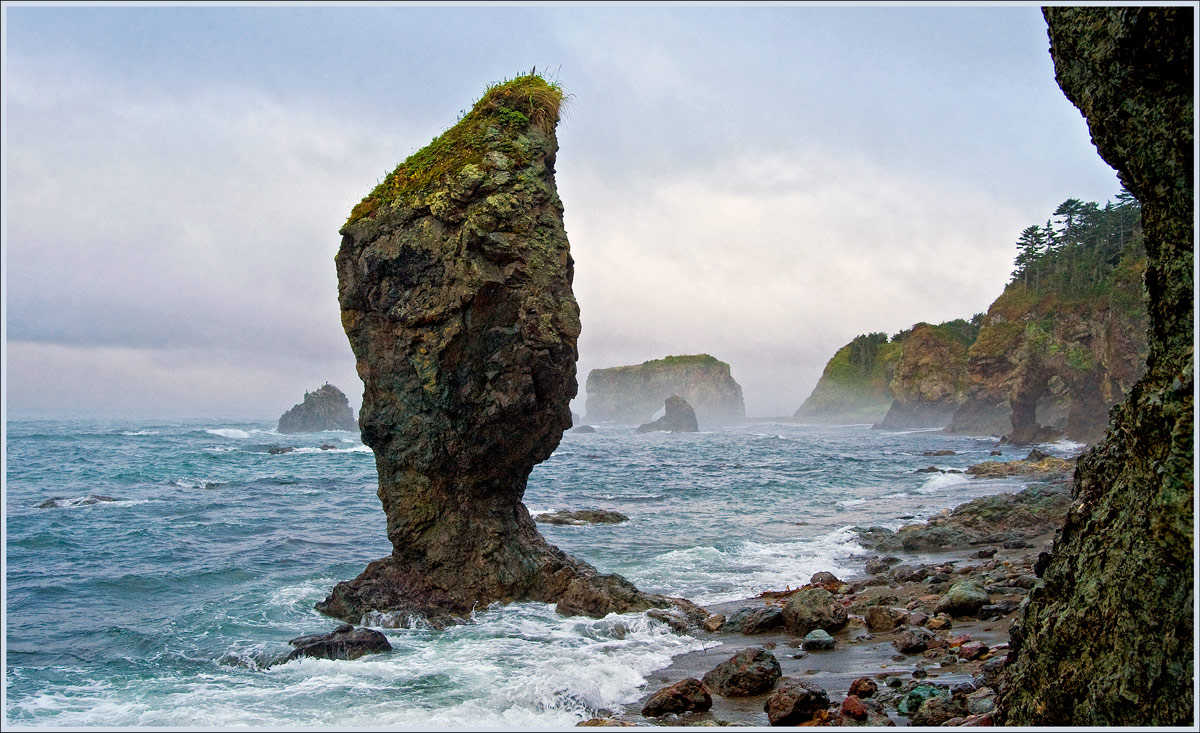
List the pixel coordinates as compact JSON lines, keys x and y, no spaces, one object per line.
{"x":87,"y":501}
{"x":847,"y":503}
{"x":1064,"y":447}
{"x":305,"y":450}
{"x":522,"y":666}
{"x":711,"y":575}
{"x":228,"y":433}
{"x":197,"y":483}
{"x":941,"y":482}
{"x":139,"y":432}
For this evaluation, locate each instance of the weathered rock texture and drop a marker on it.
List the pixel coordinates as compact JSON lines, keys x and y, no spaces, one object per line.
{"x":454,"y":279}
{"x":678,"y":417}
{"x":930,"y":380}
{"x":632,"y":394}
{"x":325,"y":409}
{"x":1107,"y":639}
{"x":1043,"y":369}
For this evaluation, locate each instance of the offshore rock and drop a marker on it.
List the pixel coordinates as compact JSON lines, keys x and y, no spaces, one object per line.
{"x":1107,"y":639}
{"x":582,"y":516}
{"x":632,"y":394}
{"x":344,"y":642}
{"x":454,"y":278}
{"x":679,"y":417}
{"x":325,"y":409}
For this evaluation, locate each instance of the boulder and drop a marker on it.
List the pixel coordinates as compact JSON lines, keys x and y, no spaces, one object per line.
{"x":678,"y":418}
{"x":751,"y":620}
{"x":344,"y":642}
{"x":818,"y":640}
{"x":864,"y":687}
{"x":326,"y":408}
{"x":750,"y":671}
{"x":912,"y":700}
{"x":852,"y":707}
{"x":964,"y":598}
{"x":684,"y":696}
{"x":795,"y":702}
{"x":813,"y":608}
{"x":913,"y":641}
{"x":937,"y":710}
{"x":882,"y":618}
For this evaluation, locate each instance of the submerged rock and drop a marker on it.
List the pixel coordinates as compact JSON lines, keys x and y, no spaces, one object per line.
{"x":344,"y":642}
{"x":454,"y":278}
{"x":582,"y":516}
{"x":678,"y":418}
{"x":60,"y":502}
{"x":324,"y":409}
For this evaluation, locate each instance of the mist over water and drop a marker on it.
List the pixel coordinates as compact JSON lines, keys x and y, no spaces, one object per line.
{"x":157,"y":569}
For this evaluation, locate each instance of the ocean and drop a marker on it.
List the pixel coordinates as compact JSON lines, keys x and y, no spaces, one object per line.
{"x":157,"y":569}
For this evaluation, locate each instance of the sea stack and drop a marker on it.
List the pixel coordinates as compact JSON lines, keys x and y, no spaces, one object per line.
{"x":678,"y":417}
{"x":323,"y":409}
{"x":1106,"y":638}
{"x":632,"y":394}
{"x":454,"y":278}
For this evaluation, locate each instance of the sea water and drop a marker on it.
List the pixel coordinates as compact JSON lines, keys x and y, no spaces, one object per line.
{"x":157,"y":569}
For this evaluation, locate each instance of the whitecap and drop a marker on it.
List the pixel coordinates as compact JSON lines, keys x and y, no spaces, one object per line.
{"x":941,"y":481}
{"x":228,"y":433}
{"x":139,"y":432}
{"x":708,"y":574}
{"x":897,"y":495}
{"x":1068,"y":448}
{"x":851,"y":502}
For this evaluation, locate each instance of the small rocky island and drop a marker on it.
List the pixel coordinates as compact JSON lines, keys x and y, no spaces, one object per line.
{"x":454,"y":278}
{"x":632,"y":394}
{"x":678,"y":417}
{"x":323,"y":409}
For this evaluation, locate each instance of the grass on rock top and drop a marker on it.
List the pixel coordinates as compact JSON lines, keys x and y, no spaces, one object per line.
{"x":509,"y":106}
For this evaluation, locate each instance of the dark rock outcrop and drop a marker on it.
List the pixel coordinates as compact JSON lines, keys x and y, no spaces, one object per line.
{"x":324,"y":409}
{"x":1107,"y":639}
{"x":632,"y":394}
{"x":677,"y":418}
{"x":813,"y":608}
{"x":454,"y":278}
{"x":582,"y":516}
{"x":344,"y":642}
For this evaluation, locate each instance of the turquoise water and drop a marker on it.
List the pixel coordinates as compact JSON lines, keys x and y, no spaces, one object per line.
{"x":168,"y":605}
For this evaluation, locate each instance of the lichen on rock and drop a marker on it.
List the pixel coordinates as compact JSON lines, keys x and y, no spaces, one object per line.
{"x":1107,"y":637}
{"x":454,"y":278}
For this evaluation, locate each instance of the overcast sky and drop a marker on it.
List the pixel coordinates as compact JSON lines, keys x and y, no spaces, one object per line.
{"x":761,"y":184}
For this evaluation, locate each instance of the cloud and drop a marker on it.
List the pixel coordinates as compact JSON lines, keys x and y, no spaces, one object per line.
{"x":773,"y":263}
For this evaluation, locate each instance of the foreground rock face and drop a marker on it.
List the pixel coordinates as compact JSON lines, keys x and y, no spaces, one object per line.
{"x":325,"y":409}
{"x":1107,"y":639}
{"x":632,"y":394}
{"x":454,"y":278}
{"x":679,"y":417}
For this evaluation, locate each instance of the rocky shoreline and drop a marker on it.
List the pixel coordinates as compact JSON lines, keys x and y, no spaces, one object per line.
{"x":921,"y":638}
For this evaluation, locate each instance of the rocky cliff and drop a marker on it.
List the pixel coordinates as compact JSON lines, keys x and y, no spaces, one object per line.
{"x":454,"y":278}
{"x":1049,"y":363}
{"x":324,"y":409}
{"x":632,"y":394}
{"x":855,"y":385}
{"x":930,"y":379}
{"x":1107,"y":637}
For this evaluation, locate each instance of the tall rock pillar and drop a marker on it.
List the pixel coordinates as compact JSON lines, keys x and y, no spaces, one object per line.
{"x":1107,"y":639}
{"x":454,"y":278}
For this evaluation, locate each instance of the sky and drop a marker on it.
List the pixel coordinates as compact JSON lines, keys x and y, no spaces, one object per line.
{"x":757,"y":183}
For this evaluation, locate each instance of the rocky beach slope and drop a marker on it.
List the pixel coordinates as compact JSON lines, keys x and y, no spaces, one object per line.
{"x":919,"y":638}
